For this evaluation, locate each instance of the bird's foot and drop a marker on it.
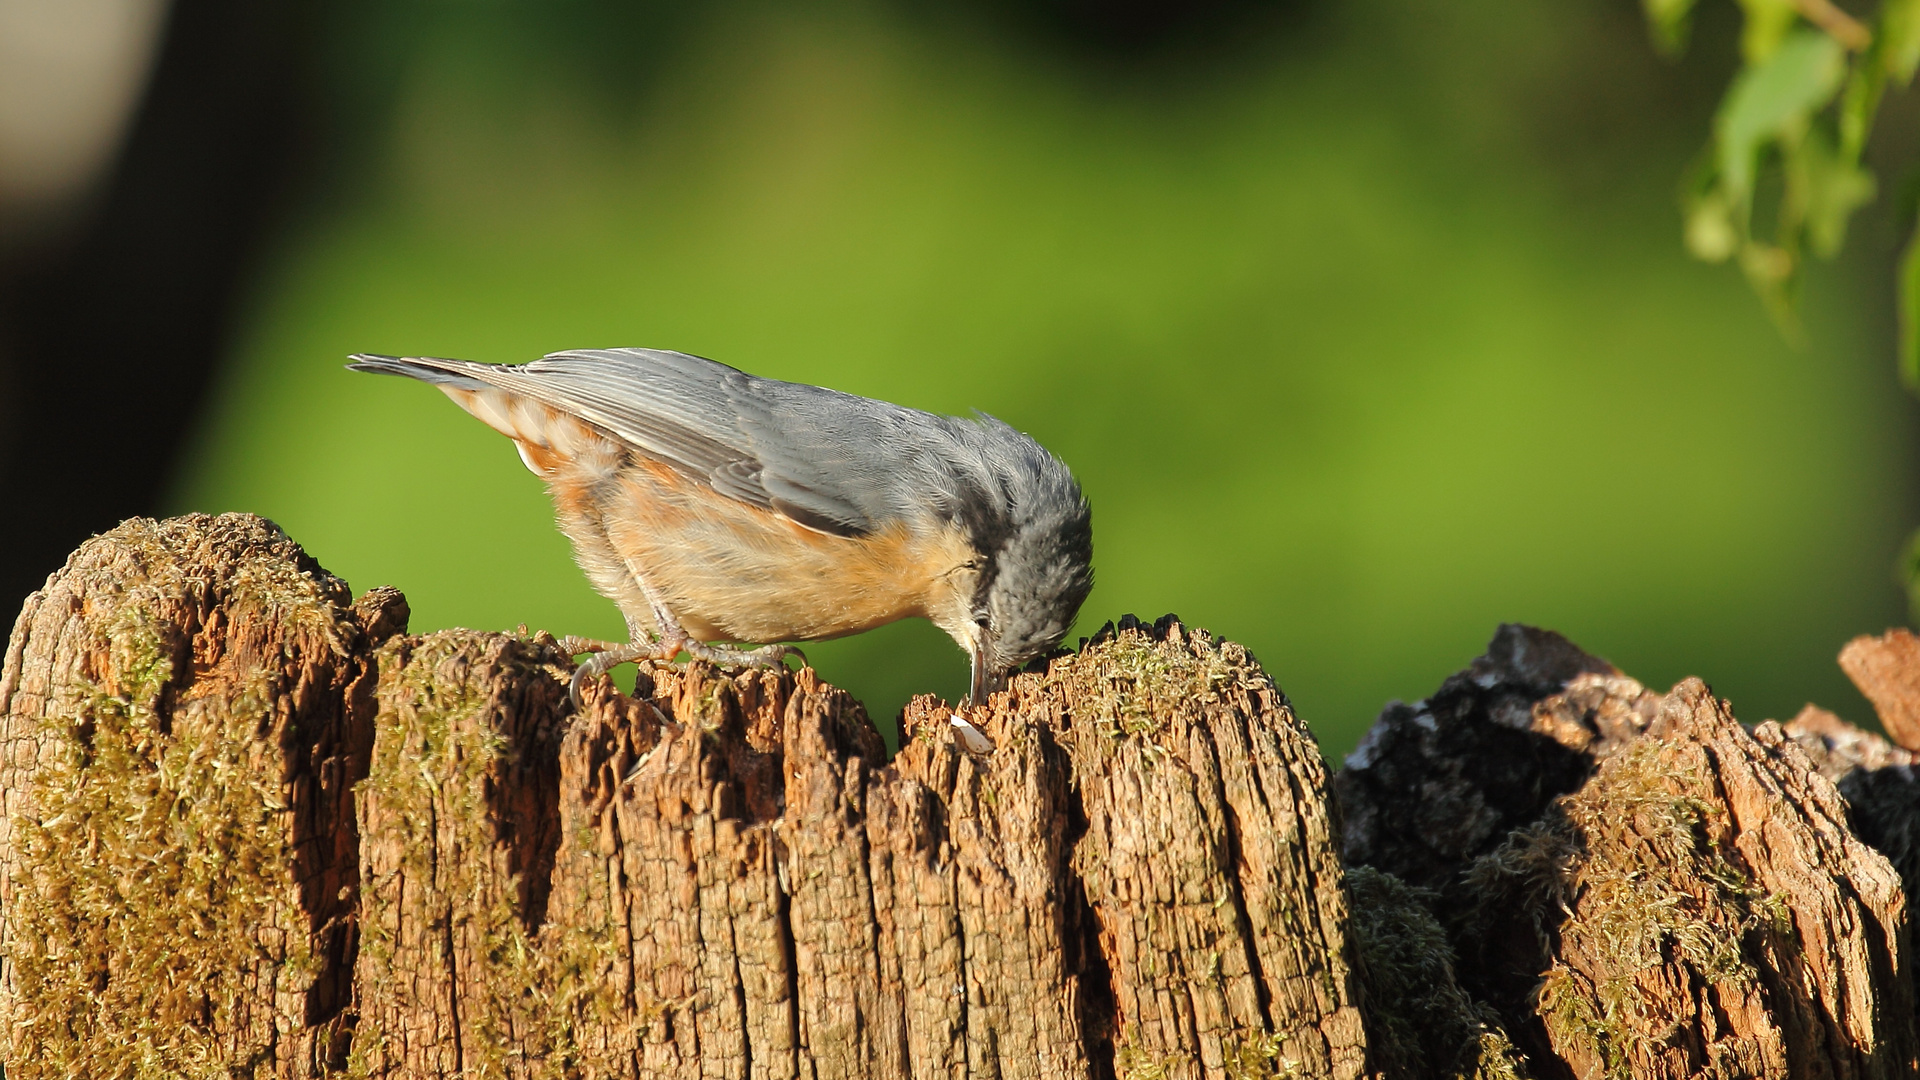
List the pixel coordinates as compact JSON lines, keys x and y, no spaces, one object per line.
{"x":606,"y":656}
{"x":576,"y":645}
{"x":766,"y":656}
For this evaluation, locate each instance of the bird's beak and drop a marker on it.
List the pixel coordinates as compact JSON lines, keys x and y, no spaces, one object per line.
{"x":985,"y":679}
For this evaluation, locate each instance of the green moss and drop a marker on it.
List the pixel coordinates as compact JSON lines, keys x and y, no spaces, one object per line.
{"x":1126,"y":685}
{"x":1634,"y":859}
{"x":433,"y":759}
{"x":156,"y":926}
{"x":141,"y":663}
{"x":1420,"y":1022}
{"x":710,"y":704}
{"x":1132,"y":1063}
{"x":1250,"y":1056}
{"x":428,"y":777}
{"x":154,"y":893}
{"x":1257,"y":1057}
{"x":1499,"y":1059}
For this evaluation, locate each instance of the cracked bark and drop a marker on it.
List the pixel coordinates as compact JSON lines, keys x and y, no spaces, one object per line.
{"x":723,"y":874}
{"x":1632,"y":884}
{"x":254,"y":828}
{"x":183,"y":712}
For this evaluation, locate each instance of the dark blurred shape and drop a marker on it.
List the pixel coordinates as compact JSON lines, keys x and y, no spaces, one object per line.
{"x":617,"y":47}
{"x":110,"y":332}
{"x":1149,"y":29}
{"x":613,"y":50}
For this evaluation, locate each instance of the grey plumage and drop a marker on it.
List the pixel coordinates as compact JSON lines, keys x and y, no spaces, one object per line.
{"x":833,"y":462}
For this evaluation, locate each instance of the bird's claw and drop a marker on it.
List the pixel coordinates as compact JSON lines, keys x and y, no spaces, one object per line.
{"x":608,"y":655}
{"x":604,"y":659}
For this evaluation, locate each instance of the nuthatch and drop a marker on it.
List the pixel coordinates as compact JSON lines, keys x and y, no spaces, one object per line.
{"x":711,"y":505}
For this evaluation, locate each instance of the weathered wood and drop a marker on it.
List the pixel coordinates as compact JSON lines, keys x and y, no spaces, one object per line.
{"x":459,"y":835}
{"x":1692,"y":903}
{"x":1838,"y":749}
{"x":1208,"y":858}
{"x":1887,"y":671}
{"x":184,"y":709}
{"x":254,"y":829}
{"x":721,"y":875}
{"x":1720,"y":919}
{"x":747,"y":886}
{"x":1877,"y":780}
{"x":1436,"y":784}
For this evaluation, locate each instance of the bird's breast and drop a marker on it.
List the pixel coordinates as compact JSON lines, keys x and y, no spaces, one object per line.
{"x":732,"y":571}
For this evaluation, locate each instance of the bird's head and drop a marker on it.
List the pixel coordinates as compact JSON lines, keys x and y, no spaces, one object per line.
{"x":1033,"y":590}
{"x":1031,"y":532}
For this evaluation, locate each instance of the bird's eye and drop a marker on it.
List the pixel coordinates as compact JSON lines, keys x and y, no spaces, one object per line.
{"x":983,"y":621}
{"x":971,"y":566}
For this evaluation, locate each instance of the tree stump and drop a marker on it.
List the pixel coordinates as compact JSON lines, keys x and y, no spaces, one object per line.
{"x":1633,"y":884}
{"x":184,"y":711}
{"x":253,"y":828}
{"x":724,"y":874}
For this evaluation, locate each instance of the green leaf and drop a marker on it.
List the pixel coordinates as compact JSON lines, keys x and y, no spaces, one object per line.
{"x":1774,"y":273}
{"x":1910,"y":314}
{"x":1711,"y":232}
{"x":1898,"y":41}
{"x":1670,"y":20}
{"x":1831,"y":187}
{"x":1893,"y":56}
{"x":1858,"y":103}
{"x":1773,"y":99}
{"x":1766,"y":27}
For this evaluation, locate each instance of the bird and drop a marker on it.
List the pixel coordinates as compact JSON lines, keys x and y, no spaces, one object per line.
{"x":718,"y":509}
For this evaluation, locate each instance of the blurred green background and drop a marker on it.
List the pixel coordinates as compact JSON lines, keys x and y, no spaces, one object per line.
{"x":1365,"y":325}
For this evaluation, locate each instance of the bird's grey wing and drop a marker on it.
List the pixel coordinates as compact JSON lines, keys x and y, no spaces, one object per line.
{"x":823,"y":452}
{"x":770,"y":444}
{"x":669,"y":405}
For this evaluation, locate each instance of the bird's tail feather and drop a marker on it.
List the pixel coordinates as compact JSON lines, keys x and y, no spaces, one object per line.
{"x":428,"y":369}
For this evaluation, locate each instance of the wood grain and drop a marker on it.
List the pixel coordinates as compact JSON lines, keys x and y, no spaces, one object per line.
{"x":253,"y":828}
{"x":183,"y":712}
{"x":1887,"y":671}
